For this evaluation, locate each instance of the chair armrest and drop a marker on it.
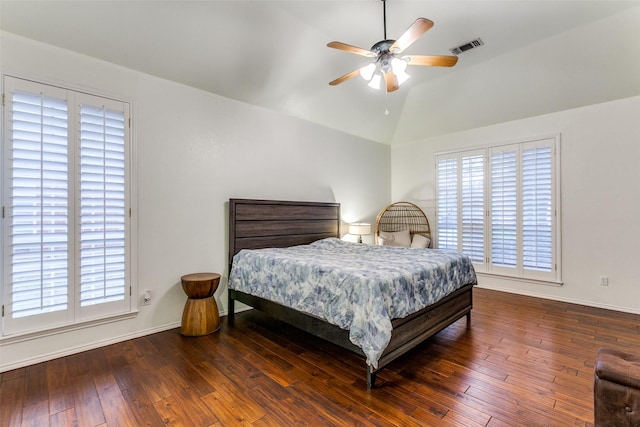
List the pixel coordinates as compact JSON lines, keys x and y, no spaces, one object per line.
{"x":618,"y":367}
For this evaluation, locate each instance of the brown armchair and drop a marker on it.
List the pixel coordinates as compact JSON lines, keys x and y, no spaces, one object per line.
{"x":616,"y":389}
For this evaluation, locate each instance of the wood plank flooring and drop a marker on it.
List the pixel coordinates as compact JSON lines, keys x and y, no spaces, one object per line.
{"x":523,"y":361}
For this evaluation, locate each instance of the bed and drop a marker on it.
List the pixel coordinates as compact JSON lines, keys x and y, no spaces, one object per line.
{"x":284,"y":225}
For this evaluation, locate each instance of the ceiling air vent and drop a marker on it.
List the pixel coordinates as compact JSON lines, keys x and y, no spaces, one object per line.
{"x":471,"y":45}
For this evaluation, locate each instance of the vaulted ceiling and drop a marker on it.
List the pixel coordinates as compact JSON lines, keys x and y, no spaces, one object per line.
{"x":273,"y":54}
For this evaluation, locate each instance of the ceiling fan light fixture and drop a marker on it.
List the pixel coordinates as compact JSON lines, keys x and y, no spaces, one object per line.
{"x":398,"y":65}
{"x":375,"y":81}
{"x":367,"y":71}
{"x":402,"y":77}
{"x":388,"y":62}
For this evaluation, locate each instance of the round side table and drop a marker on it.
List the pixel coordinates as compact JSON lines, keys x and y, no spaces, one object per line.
{"x":200,"y":315}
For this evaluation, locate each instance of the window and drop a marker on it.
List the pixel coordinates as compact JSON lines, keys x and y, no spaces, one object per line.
{"x":499,"y":205}
{"x":472,"y":206}
{"x":66,"y":223}
{"x":461,"y":208}
{"x":447,"y":213}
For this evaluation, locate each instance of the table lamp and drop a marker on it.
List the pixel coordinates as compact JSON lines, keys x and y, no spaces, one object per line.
{"x":360,"y":229}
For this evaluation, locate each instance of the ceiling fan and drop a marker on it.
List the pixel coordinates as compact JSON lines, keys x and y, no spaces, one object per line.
{"x":387,"y":62}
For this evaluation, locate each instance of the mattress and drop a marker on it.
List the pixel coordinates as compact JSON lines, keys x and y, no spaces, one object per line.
{"x":359,"y":288}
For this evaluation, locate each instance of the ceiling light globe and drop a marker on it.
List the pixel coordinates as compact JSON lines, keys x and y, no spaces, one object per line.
{"x":402,"y":77}
{"x":366,"y":72}
{"x":375,"y":81}
{"x":398,"y":65}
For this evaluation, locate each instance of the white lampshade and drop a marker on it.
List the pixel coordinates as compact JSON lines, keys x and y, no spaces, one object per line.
{"x":366,"y":72}
{"x":402,"y":77}
{"x":360,"y":229}
{"x":398,"y":65}
{"x":375,"y":81}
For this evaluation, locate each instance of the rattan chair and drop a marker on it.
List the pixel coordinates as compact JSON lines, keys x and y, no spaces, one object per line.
{"x":401,"y":216}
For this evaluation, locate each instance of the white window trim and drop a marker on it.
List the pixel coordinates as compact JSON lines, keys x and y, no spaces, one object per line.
{"x":79,"y":322}
{"x":485,"y":269}
{"x":56,"y":330}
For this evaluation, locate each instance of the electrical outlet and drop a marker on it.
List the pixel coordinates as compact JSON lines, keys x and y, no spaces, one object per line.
{"x":146,"y":298}
{"x":604,"y":281}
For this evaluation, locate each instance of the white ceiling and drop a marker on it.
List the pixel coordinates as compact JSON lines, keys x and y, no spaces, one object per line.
{"x":273,"y":54}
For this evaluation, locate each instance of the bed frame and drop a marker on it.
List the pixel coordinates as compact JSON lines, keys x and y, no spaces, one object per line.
{"x":255,"y":224}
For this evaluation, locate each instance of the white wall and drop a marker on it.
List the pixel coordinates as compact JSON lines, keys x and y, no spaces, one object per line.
{"x":196,"y":150}
{"x":600,"y":177}
{"x":589,"y":64}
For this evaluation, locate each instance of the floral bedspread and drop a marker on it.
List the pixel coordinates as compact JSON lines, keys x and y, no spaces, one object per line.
{"x":357,"y":287}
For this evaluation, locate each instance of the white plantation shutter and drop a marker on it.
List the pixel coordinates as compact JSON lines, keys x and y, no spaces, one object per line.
{"x":102,"y":205}
{"x":66,"y":236}
{"x":447,"y":213}
{"x":517,"y":186}
{"x":537,"y":208}
{"x":472,"y":203}
{"x":504,"y":216}
{"x":37,"y":218}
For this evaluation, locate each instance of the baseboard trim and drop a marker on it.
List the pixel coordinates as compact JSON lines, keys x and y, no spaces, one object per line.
{"x":567,"y":300}
{"x":87,"y":346}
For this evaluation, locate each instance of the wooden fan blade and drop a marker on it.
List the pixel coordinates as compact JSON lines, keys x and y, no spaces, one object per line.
{"x":392,"y":81}
{"x":352,"y":49}
{"x":418,"y":28}
{"x":345,"y":77}
{"x":435,"y":61}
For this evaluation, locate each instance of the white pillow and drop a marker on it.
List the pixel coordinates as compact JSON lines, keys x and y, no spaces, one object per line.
{"x":420,"y":241}
{"x":396,"y":238}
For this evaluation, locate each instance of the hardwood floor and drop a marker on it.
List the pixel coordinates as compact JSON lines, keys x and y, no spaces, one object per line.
{"x":524,"y":361}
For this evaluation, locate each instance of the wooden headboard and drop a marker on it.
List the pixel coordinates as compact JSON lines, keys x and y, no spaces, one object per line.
{"x":255,"y":224}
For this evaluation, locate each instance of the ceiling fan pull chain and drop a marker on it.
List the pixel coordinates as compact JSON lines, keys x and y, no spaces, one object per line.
{"x":386,"y":102}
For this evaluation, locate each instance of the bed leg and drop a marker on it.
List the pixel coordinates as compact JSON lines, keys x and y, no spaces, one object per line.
{"x":230,"y":311}
{"x":468,"y":320}
{"x":371,"y":378}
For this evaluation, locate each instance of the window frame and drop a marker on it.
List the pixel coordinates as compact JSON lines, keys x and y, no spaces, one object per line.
{"x":488,"y":267}
{"x":74,"y":315}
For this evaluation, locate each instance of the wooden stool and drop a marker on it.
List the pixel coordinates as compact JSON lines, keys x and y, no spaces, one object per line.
{"x":200,"y":315}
